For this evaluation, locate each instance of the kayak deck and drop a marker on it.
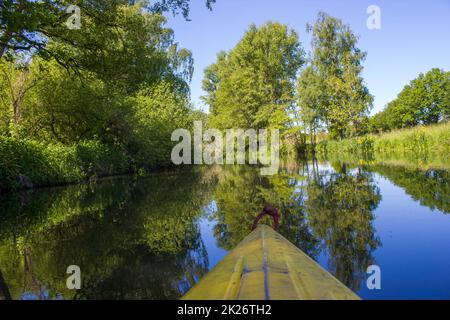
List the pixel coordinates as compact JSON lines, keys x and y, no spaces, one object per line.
{"x":266,"y":266}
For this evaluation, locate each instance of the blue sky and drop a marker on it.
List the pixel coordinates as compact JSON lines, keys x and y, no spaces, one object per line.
{"x":414,"y":35}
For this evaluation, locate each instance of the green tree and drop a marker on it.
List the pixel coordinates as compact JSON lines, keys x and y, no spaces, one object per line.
{"x":27,"y":25}
{"x":157,"y":111}
{"x":17,"y":79}
{"x":380,"y":122}
{"x":252,"y":86}
{"x":132,"y":49}
{"x":211,"y":82}
{"x":104,"y":98}
{"x":73,"y":99}
{"x":23,"y":24}
{"x":337,"y":62}
{"x":311,"y":101}
{"x":425,"y":100}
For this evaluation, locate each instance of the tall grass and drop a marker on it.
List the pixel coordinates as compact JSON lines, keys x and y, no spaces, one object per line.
{"x":26,"y":163}
{"x":422,"y":143}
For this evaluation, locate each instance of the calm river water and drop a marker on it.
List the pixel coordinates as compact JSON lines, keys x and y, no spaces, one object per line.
{"x":154,"y":237}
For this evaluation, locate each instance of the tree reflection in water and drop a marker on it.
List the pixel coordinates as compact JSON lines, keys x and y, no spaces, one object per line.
{"x":132,"y":239}
{"x":340,"y":212}
{"x":320,"y":210}
{"x":140,"y":238}
{"x":241,"y":194}
{"x":430,"y":187}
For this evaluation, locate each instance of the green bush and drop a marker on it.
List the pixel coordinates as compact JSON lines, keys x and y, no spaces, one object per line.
{"x":27,"y":163}
{"x":99,"y":159}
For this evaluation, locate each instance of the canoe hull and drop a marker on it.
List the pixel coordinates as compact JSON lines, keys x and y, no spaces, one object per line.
{"x":266,"y":266}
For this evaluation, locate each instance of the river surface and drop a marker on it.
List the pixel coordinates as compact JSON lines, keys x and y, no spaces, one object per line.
{"x":154,"y":237}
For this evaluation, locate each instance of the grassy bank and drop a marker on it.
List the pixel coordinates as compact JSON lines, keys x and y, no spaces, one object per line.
{"x":26,"y":164}
{"x":424,"y":144}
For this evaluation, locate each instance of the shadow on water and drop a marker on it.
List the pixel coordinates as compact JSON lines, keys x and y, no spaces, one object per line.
{"x":140,"y":238}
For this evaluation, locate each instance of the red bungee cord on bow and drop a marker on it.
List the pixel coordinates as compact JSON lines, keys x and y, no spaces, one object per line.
{"x":271,"y":211}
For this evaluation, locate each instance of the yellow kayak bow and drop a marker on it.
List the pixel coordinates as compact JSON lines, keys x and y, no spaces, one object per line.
{"x":266,"y":266}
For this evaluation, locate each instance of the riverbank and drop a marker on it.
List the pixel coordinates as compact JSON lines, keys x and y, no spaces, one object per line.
{"x":421,"y":143}
{"x":26,"y":164}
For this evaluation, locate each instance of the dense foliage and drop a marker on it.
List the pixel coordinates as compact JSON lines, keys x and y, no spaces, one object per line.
{"x":252,"y":86}
{"x":120,"y":84}
{"x":262,"y":82}
{"x":27,"y":25}
{"x":331,"y":90}
{"x":426,"y":100}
